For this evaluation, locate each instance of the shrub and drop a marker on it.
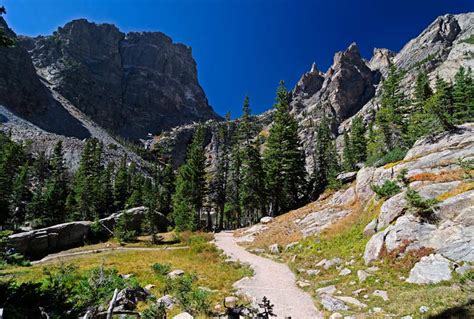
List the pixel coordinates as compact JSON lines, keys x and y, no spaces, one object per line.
{"x":386,"y":190}
{"x":402,"y":177}
{"x":161,"y":269}
{"x":467,"y":166}
{"x":190,"y":298}
{"x":394,"y":155}
{"x":7,"y":255}
{"x":154,"y":311}
{"x":425,"y":208}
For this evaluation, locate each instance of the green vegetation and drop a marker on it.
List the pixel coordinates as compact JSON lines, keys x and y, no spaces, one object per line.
{"x":425,"y":208}
{"x":469,"y":40}
{"x":386,"y":190}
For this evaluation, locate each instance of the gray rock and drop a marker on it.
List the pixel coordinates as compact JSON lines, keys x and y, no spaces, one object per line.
{"x":358,"y":291}
{"x":167,"y":300}
{"x":391,"y":210}
{"x":329,"y":290}
{"x":424,"y":309}
{"x":464,"y":269}
{"x":274,"y":249}
{"x":346,"y":177}
{"x":333,"y":304}
{"x":332,"y":262}
{"x":407,"y":317}
{"x":374,"y":247}
{"x":291,"y":245}
{"x":345,"y":272}
{"x":352,"y":301}
{"x":371,"y":228}
{"x":313,"y":272}
{"x":303,"y":284}
{"x":183,"y":315}
{"x":430,"y":269}
{"x":335,"y":315}
{"x":266,"y":219}
{"x":362,"y":275}
{"x":128,"y":298}
{"x":373,"y":269}
{"x":176,"y":273}
{"x":230,"y":301}
{"x":381,"y":293}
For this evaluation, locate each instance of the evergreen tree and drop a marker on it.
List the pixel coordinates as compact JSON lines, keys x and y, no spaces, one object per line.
{"x":121,"y":185}
{"x":441,"y":105}
{"x":348,"y":161}
{"x":284,"y":161}
{"x":463,"y":96}
{"x":5,"y":41}
{"x":358,"y":141}
{"x":165,"y":185}
{"x":389,"y":118}
{"x":21,"y":195}
{"x":56,"y":189}
{"x":105,"y":200}
{"x":190,"y":187}
{"x":422,"y":91}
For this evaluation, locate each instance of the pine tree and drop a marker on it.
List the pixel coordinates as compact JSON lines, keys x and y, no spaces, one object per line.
{"x":390,"y":118}
{"x":348,"y":161}
{"x":463,"y":96}
{"x":190,"y":185}
{"x":441,"y":105}
{"x":121,"y":185}
{"x":284,"y":161}
{"x":56,"y":189}
{"x":165,"y":185}
{"x":422,"y":91}
{"x":21,"y":195}
{"x":358,"y":140}
{"x":105,"y":200}
{"x":5,"y":41}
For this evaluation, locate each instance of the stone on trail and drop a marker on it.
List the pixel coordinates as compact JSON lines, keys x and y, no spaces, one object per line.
{"x":274,"y":249}
{"x":303,"y":284}
{"x":430,"y":270}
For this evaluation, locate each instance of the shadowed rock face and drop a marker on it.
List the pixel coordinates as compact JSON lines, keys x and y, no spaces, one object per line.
{"x":132,"y":84}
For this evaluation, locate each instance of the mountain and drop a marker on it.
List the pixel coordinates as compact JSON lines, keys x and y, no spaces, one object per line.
{"x":91,"y":80}
{"x":349,"y":87}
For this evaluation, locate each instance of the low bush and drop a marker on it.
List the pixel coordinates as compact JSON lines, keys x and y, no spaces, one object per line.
{"x":386,"y":190}
{"x":191,"y":298}
{"x":161,"y":269}
{"x":425,"y":208}
{"x":122,"y":231}
{"x":394,"y":155}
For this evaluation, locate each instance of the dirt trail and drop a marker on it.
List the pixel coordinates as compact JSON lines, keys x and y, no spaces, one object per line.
{"x":272,"y":279}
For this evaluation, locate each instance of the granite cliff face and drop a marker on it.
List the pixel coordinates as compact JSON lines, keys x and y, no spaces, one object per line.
{"x":132,"y":84}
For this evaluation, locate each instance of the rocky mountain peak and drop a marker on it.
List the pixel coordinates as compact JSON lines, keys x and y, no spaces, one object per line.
{"x":132,"y":84}
{"x":381,"y":59}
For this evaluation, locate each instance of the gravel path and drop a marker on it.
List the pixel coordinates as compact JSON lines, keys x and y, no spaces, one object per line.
{"x":272,"y":279}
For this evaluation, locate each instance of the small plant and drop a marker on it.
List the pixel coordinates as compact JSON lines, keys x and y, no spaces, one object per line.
{"x":190,"y":298}
{"x":267,"y":309}
{"x":386,"y":190}
{"x":161,"y":269}
{"x":425,"y":208}
{"x":402,"y":177}
{"x":467,"y":166}
{"x":154,"y":311}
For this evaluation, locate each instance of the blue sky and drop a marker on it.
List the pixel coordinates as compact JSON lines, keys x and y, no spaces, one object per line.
{"x":247,"y":46}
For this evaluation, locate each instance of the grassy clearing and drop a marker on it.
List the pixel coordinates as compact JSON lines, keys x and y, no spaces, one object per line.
{"x":202,"y":259}
{"x":346,"y":241}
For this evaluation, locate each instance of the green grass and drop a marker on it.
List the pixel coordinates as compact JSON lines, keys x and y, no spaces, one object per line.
{"x":469,"y":40}
{"x":346,"y":240}
{"x":202,"y":259}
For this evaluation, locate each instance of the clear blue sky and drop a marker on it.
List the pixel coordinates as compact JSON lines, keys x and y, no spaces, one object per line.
{"x":247,"y":46}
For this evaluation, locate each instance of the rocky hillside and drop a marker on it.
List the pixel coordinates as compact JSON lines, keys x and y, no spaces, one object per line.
{"x":349,"y":87}
{"x":346,"y":237}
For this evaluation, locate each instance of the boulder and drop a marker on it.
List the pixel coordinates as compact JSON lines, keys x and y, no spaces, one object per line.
{"x":183,"y":315}
{"x":430,"y":270}
{"x":333,"y":304}
{"x":345,"y":272}
{"x":329,"y":290}
{"x":176,"y":273}
{"x":346,"y":177}
{"x":274,"y":249}
{"x":374,"y":247}
{"x":128,"y":298}
{"x":167,"y":300}
{"x":362,"y":275}
{"x":371,"y":228}
{"x":381,"y":293}
{"x":391,"y":210}
{"x":266,"y":219}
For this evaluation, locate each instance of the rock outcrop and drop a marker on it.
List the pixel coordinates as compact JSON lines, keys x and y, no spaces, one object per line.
{"x":40,"y":242}
{"x":133,"y":84}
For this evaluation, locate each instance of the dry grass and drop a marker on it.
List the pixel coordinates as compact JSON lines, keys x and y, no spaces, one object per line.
{"x":212,"y":270}
{"x":462,"y":188}
{"x":441,"y":177}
